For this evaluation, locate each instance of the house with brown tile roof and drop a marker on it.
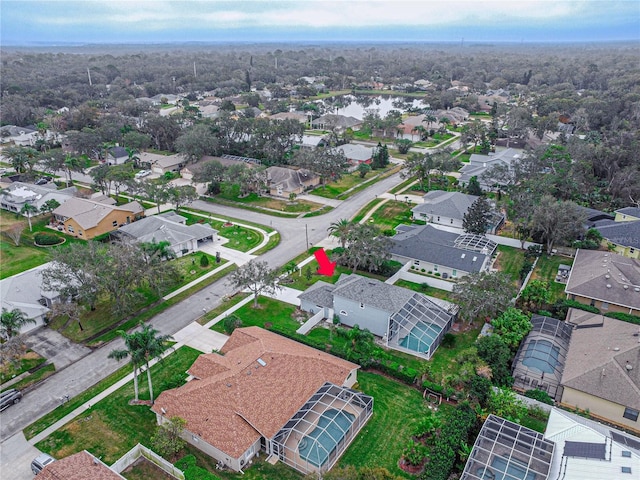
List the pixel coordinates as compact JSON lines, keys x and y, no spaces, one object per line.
{"x":79,"y":466}
{"x":605,"y":280}
{"x":264,"y":392}
{"x":602,"y":369}
{"x":86,"y":219}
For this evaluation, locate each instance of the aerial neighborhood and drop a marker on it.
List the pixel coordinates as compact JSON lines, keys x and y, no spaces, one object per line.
{"x":320,"y":262}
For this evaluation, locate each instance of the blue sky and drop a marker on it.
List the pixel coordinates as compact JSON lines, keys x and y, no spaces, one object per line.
{"x":28,"y":22}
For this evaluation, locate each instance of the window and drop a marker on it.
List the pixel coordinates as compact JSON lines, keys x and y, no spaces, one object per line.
{"x":344,"y":312}
{"x":625,"y":469}
{"x":438,"y":217}
{"x":632,"y":250}
{"x":435,"y":268}
{"x":626,"y":454}
{"x":631,"y":414}
{"x":451,"y":221}
{"x":605,"y":306}
{"x":70,"y":228}
{"x":454,"y":273}
{"x":416,"y":262}
{"x":593,"y":303}
{"x":80,"y":232}
{"x":361,"y":305}
{"x":115,"y":223}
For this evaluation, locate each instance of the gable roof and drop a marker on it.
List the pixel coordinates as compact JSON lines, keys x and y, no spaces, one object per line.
{"x":605,"y":276}
{"x":288,"y":178}
{"x":20,"y":193}
{"x":118,"y":152}
{"x":626,"y":234}
{"x":478,"y":163}
{"x":372,"y":292}
{"x":446,"y":204}
{"x":24,"y":290}
{"x":354,"y":151}
{"x":89,"y":213}
{"x":159,"y":228}
{"x":600,"y":351}
{"x":334,"y":120}
{"x":320,"y":293}
{"x":567,"y":428}
{"x":631,"y":211}
{"x":79,"y":466}
{"x":436,"y":246}
{"x":251,"y":390}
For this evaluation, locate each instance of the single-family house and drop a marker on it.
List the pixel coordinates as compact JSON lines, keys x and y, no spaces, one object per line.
{"x":449,"y":208}
{"x":595,"y":218}
{"x":627,"y":214}
{"x":451,"y":254}
{"x":169,"y":227}
{"x":602,"y":369}
{"x":79,"y":466}
{"x":588,"y":450}
{"x":284,"y":181}
{"x":507,"y":451}
{"x":405,"y":320}
{"x":83,"y":218}
{"x":22,"y":136}
{"x":605,"y":280}
{"x":117,"y":155}
{"x":298,"y":116}
{"x":539,"y":362}
{"x":266,"y":393}
{"x":25,"y":292}
{"x":14,"y":197}
{"x":356,"y":153}
{"x":209,"y":111}
{"x":622,"y":237}
{"x":479,"y":164}
{"x":162,"y":164}
{"x":312,"y":141}
{"x":339,"y":123}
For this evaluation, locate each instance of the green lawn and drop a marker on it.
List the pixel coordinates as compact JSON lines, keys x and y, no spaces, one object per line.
{"x":396,"y":410}
{"x":112,"y":427}
{"x":547,"y":268}
{"x":364,"y":210}
{"x":223,"y":307}
{"x":510,"y":261}
{"x":426,"y":289}
{"x":299,"y":206}
{"x":29,"y":360}
{"x":392,"y":214}
{"x":443,"y":361}
{"x":334,"y":189}
{"x":403,"y":185}
{"x":270,"y":313}
{"x":240,"y":238}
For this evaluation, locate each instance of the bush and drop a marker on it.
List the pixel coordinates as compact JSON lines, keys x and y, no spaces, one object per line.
{"x":539,"y":395}
{"x":204,"y":261}
{"x":448,"y":341}
{"x":625,"y":317}
{"x":44,"y":238}
{"x":231,"y":322}
{"x":437,"y":274}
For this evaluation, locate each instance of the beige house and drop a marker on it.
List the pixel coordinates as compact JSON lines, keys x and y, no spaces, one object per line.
{"x":284,"y":181}
{"x":87,"y":219}
{"x":264,"y":392}
{"x":602,"y":369}
{"x":162,"y":164}
{"x":605,"y":280}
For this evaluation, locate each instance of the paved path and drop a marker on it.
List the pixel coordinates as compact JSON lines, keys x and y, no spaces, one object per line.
{"x":332,"y":202}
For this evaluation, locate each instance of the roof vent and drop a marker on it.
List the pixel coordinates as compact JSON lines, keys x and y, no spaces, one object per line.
{"x":228,"y":384}
{"x":606,"y":254}
{"x":616,"y":349}
{"x":463,"y":255}
{"x":261,"y":362}
{"x":636,"y":289}
{"x":626,"y":287}
{"x":608,"y":285}
{"x":604,"y":373}
{"x":607,"y":276}
{"x":628,"y":366}
{"x":474,"y":259}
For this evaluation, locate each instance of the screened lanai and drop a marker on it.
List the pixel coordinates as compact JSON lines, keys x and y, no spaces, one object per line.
{"x":507,"y":451}
{"x":315,"y":437}
{"x":418,"y":327}
{"x":540,"y":360}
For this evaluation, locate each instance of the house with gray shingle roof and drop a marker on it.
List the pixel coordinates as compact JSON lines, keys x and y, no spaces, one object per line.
{"x":283,"y":180}
{"x":602,"y":368}
{"x":449,"y":208}
{"x":406,"y":321}
{"x":117,"y":155}
{"x":479,"y":164}
{"x":605,"y":280}
{"x":451,"y":254}
{"x":624,"y":237}
{"x":332,"y":121}
{"x":18,"y":193}
{"x":356,"y":153}
{"x":170,"y":227}
{"x":628,"y":214}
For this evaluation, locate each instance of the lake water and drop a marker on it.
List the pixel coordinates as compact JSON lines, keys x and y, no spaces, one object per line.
{"x":357,"y":106}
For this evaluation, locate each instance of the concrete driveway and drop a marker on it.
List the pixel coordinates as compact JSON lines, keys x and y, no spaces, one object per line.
{"x":53,"y":346}
{"x":201,"y":338}
{"x":16,"y":456}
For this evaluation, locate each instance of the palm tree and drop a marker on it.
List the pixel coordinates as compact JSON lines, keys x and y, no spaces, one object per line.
{"x":29,"y":210}
{"x":142,"y":346}
{"x":11,"y":321}
{"x":340,"y":229}
{"x":72,"y":164}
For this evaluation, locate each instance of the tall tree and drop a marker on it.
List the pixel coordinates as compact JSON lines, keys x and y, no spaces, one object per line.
{"x":197,"y":142}
{"x":556,"y":221}
{"x":182,"y":195}
{"x":257,"y":277}
{"x":329,"y":163}
{"x":512,"y":325}
{"x":476,"y":219}
{"x":340,"y":230}
{"x":11,"y":321}
{"x":366,"y":248}
{"x":29,"y":210}
{"x":22,"y":159}
{"x":483,"y":295}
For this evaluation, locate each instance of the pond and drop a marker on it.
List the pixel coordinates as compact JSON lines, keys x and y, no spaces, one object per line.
{"x":357,"y":106}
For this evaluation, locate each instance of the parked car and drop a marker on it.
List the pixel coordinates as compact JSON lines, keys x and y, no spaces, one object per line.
{"x":43,"y":181}
{"x":40,"y":462}
{"x":9,"y":397}
{"x":143,"y":173}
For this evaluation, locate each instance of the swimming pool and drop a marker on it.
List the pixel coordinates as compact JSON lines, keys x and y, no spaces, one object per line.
{"x":504,"y":469}
{"x":421,"y":337}
{"x":541,"y":355}
{"x":316,"y":446}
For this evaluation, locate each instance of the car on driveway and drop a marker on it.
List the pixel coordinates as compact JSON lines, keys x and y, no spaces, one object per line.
{"x":40,"y":462}
{"x":143,"y":173}
{"x":9,"y":397}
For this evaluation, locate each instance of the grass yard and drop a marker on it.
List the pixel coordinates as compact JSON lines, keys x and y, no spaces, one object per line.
{"x":223,"y":307}
{"x":396,"y":410}
{"x":253,"y":199}
{"x":270,"y":313}
{"x":112,"y":427}
{"x":546,"y":269}
{"x":364,"y":210}
{"x":510,"y":261}
{"x":100,"y":319}
{"x":392,"y":214}
{"x":29,"y":360}
{"x":401,"y":186}
{"x":334,"y":189}
{"x":443,"y":361}
{"x":426,"y":289}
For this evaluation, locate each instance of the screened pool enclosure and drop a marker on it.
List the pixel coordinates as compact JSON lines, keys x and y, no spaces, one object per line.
{"x":315,"y":437}
{"x":540,"y":360}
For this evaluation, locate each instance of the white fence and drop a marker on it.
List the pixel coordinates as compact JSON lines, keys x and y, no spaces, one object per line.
{"x":312,"y":322}
{"x":141,"y":451}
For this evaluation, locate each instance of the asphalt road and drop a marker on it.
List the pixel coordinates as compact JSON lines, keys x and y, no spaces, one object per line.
{"x":90,"y":369}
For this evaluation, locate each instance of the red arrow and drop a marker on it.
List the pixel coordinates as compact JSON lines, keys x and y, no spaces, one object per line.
{"x":326,"y":267}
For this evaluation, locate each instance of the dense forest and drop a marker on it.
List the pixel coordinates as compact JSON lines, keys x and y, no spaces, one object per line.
{"x":596,"y":86}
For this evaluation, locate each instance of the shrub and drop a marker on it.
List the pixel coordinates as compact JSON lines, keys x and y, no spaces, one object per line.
{"x":422,"y":270}
{"x":539,"y":395}
{"x":44,"y":238}
{"x":448,"y":341}
{"x":625,"y":317}
{"x":204,"y":261}
{"x":437,"y":274}
{"x":414,"y":453}
{"x":231,"y":322}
